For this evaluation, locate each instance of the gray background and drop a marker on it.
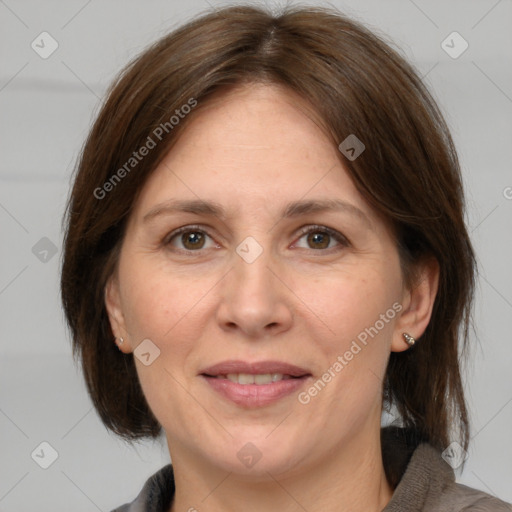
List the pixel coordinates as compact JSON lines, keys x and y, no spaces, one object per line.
{"x":47,"y":106}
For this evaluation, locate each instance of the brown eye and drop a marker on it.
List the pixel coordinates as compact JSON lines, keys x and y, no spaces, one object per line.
{"x":318,"y":240}
{"x":321,"y":237}
{"x":192,"y":240}
{"x":188,"y":239}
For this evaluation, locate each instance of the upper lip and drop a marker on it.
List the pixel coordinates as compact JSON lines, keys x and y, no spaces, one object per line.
{"x":259,"y":367}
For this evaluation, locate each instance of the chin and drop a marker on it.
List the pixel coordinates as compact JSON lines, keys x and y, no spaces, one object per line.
{"x":261,"y":470}
{"x":255,"y":456}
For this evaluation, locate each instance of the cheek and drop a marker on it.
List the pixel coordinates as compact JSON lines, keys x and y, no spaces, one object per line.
{"x":357,"y":306}
{"x":155,"y":301}
{"x":161,"y":308}
{"x":149,"y":313}
{"x":352,"y":301}
{"x":172,"y":311}
{"x":360,"y":308}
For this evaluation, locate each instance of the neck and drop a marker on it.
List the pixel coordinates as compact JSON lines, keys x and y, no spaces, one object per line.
{"x":351,"y":478}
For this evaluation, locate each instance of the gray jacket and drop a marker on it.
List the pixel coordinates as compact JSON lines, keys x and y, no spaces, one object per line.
{"x":422,"y":480}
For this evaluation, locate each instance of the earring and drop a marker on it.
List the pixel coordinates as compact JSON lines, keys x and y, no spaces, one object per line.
{"x":409,"y":339}
{"x":121,"y":341}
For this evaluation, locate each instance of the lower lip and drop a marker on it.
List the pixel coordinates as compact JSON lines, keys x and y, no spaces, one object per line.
{"x":255,"y":395}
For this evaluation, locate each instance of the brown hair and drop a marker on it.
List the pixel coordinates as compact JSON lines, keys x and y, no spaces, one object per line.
{"x":357,"y":84}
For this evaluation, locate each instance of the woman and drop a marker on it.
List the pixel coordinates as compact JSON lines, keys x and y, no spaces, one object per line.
{"x":265,"y":249}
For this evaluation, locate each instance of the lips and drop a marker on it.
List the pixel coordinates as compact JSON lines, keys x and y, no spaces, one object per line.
{"x":257,"y":368}
{"x":258,"y":384}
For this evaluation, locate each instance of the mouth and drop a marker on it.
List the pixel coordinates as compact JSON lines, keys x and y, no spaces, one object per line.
{"x":249,"y":378}
{"x":255,"y":384}
{"x":237,"y":367}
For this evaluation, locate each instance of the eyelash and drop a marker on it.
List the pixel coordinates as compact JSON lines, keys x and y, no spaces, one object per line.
{"x":305,"y":231}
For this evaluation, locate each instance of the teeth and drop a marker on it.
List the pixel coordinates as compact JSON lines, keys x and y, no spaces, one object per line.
{"x":247,"y":378}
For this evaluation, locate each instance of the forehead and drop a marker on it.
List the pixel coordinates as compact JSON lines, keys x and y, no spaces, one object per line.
{"x":255,"y":147}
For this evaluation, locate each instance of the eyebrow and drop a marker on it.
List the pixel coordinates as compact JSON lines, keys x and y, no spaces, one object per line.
{"x":291,"y":210}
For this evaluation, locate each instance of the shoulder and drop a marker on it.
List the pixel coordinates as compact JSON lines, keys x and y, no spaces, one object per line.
{"x":459,"y":497}
{"x":425,"y":482}
{"x":156,"y":494}
{"x":440,"y":490}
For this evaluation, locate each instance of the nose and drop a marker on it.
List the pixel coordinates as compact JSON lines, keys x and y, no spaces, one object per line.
{"x":254,"y":299}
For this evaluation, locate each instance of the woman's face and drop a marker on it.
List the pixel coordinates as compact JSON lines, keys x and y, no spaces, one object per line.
{"x":266,"y":281}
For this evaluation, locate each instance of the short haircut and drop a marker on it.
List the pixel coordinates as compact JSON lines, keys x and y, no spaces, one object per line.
{"x":358,"y":85}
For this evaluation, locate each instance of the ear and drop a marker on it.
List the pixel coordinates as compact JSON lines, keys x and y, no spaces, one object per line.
{"x":417,"y":304}
{"x":115,"y":313}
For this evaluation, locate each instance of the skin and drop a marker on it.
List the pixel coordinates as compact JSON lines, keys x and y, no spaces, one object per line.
{"x":253,"y":150}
